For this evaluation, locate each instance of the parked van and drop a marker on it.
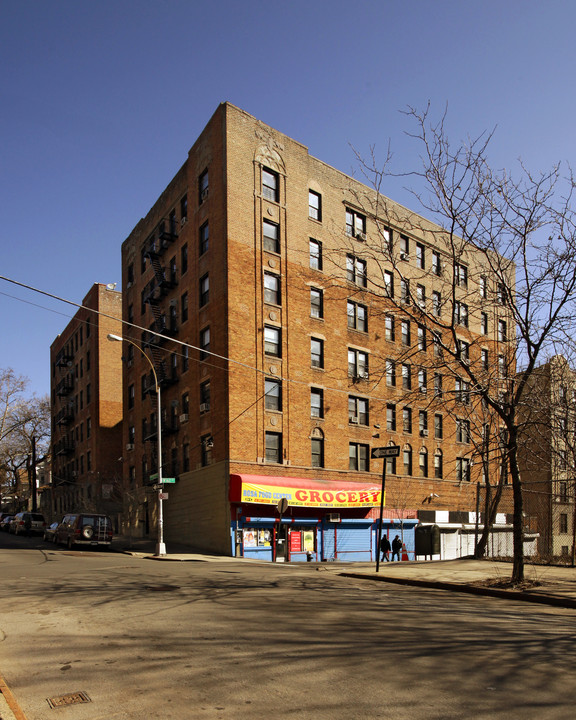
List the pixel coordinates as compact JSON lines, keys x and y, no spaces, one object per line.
{"x":84,"y":529}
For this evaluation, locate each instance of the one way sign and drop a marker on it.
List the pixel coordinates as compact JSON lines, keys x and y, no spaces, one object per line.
{"x":386,"y":452}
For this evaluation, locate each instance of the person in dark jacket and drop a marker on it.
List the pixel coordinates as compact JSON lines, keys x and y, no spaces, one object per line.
{"x":396,"y":547}
{"x":385,"y":548}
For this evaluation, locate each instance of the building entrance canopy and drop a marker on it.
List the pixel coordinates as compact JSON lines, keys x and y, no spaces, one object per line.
{"x":302,"y":492}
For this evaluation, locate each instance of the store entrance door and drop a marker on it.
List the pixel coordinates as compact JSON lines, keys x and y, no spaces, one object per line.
{"x":281,"y":544}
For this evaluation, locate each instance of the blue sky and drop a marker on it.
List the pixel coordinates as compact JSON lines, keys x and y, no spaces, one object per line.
{"x":100,"y":102}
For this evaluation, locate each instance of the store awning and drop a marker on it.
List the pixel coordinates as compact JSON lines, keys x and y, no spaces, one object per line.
{"x":302,"y":492}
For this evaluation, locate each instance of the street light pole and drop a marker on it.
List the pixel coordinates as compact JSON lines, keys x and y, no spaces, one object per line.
{"x":160,"y":546}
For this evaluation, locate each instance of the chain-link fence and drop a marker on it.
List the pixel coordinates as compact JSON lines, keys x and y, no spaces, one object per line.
{"x":549,"y":522}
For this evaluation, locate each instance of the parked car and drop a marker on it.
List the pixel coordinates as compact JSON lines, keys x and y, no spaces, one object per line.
{"x":5,"y":522}
{"x":85,"y":529}
{"x":27,"y":523}
{"x":50,"y":532}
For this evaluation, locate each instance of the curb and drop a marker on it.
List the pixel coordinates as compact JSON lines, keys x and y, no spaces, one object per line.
{"x":542,"y":599}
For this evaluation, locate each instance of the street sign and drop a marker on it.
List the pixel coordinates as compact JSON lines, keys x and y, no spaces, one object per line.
{"x":282,"y":505}
{"x":168,"y":480}
{"x":153,"y":477}
{"x":163,"y":496}
{"x":386,"y":452}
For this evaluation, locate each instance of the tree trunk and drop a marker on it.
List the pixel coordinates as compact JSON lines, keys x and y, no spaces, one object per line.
{"x":518,"y":531}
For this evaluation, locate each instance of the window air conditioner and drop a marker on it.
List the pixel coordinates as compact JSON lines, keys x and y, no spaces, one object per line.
{"x":184,"y":417}
{"x":353,"y":419}
{"x":130,"y":446}
{"x":404,"y":256}
{"x":183,"y":221}
{"x":333,"y":517}
{"x":424,"y":433}
{"x":361,"y":236}
{"x":204,"y":407}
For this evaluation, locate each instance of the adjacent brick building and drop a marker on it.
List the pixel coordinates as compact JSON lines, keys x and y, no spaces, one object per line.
{"x":86,"y":409}
{"x":286,"y":348}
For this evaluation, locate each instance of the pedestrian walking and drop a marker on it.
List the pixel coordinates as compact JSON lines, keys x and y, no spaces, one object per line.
{"x":396,"y":547}
{"x":385,"y":548}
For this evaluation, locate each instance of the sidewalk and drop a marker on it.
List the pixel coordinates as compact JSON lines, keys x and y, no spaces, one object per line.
{"x":544,"y":584}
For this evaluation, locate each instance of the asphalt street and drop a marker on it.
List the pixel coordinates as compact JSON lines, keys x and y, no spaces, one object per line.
{"x":234,"y":640}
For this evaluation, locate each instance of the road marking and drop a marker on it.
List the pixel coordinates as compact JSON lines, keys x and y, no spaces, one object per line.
{"x":11,"y":700}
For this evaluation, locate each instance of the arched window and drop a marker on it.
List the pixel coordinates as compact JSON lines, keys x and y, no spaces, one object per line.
{"x":423,"y":462}
{"x":407,"y":457}
{"x":438,"y":472}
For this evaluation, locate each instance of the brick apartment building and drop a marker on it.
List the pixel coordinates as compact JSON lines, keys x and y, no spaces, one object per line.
{"x":547,"y":456}
{"x":86,"y":409}
{"x":286,"y":348}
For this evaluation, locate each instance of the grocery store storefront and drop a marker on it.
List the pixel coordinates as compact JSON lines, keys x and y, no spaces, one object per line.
{"x":284,"y":519}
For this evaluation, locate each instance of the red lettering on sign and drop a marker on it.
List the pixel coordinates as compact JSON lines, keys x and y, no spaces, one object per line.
{"x":352,"y":496}
{"x":301,"y":495}
{"x":327,"y":496}
{"x":341,"y":496}
{"x":314,"y":496}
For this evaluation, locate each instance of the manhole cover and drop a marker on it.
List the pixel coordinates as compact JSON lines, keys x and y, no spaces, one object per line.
{"x":69,"y":699}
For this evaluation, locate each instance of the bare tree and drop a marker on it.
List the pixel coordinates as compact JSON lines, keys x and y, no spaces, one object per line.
{"x":506,"y":257}
{"x":24,"y":430}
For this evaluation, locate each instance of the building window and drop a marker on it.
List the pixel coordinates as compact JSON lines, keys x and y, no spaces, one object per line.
{"x":358,"y":455}
{"x":184,"y":259}
{"x":421,"y":297}
{"x":484,"y":359}
{"x":270,"y":185}
{"x":186,"y":457}
{"x":357,"y":364}
{"x":316,"y":303}
{"x":463,"y":469}
{"x":421,"y":337}
{"x":436,"y":263}
{"x":204,"y":238}
{"x":500,"y":293}
{"x":462,"y":431}
{"x":273,"y":394}
{"x":423,"y":462}
{"x":407,"y":460}
{"x":436,"y":303}
{"x":185,"y":358}
{"x":271,"y":232}
{"x":405,"y":332}
{"x":404,"y":291}
{"x":272,"y":339}
{"x":422,"y":380}
{"x":356,"y":270}
{"x":438,"y":472}
{"x":420,"y":256}
{"x":89,"y":429}
{"x":388,"y":284}
{"x":355,"y":224}
{"x":317,"y":452}
{"x":461,"y":313}
{"x":184,"y":307}
{"x":130,"y":397}
{"x":205,"y":396}
{"x":404,"y":247}
{"x":358,"y":410}
{"x":357,"y":316}
{"x":184,"y":208}
{"x":203,"y":185}
{"x":407,"y":420}
{"x":438,"y":427}
{"x":563,"y":523}
{"x":483,"y":283}
{"x":316,"y":402}
{"x":463,"y":350}
{"x":204,"y":343}
{"x":462,"y":391}
{"x":272,"y":289}
{"x":391,"y":417}
{"x":460,"y":275}
{"x":390,"y":373}
{"x":501,"y":366}
{"x":315,"y":254}
{"x":206,"y":444}
{"x":273,"y":447}
{"x":502,"y":331}
{"x":406,"y":376}
{"x":484,"y":323}
{"x":314,"y":205}
{"x":185,"y":403}
{"x":317,"y":352}
{"x":423,"y":423}
{"x":204,"y":290}
{"x":389,"y":332}
{"x":437,"y":385}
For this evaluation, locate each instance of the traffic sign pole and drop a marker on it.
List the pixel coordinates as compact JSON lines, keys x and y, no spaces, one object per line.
{"x":384,"y":453}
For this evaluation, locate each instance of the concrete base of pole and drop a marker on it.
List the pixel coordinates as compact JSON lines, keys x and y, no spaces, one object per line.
{"x":160,"y":549}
